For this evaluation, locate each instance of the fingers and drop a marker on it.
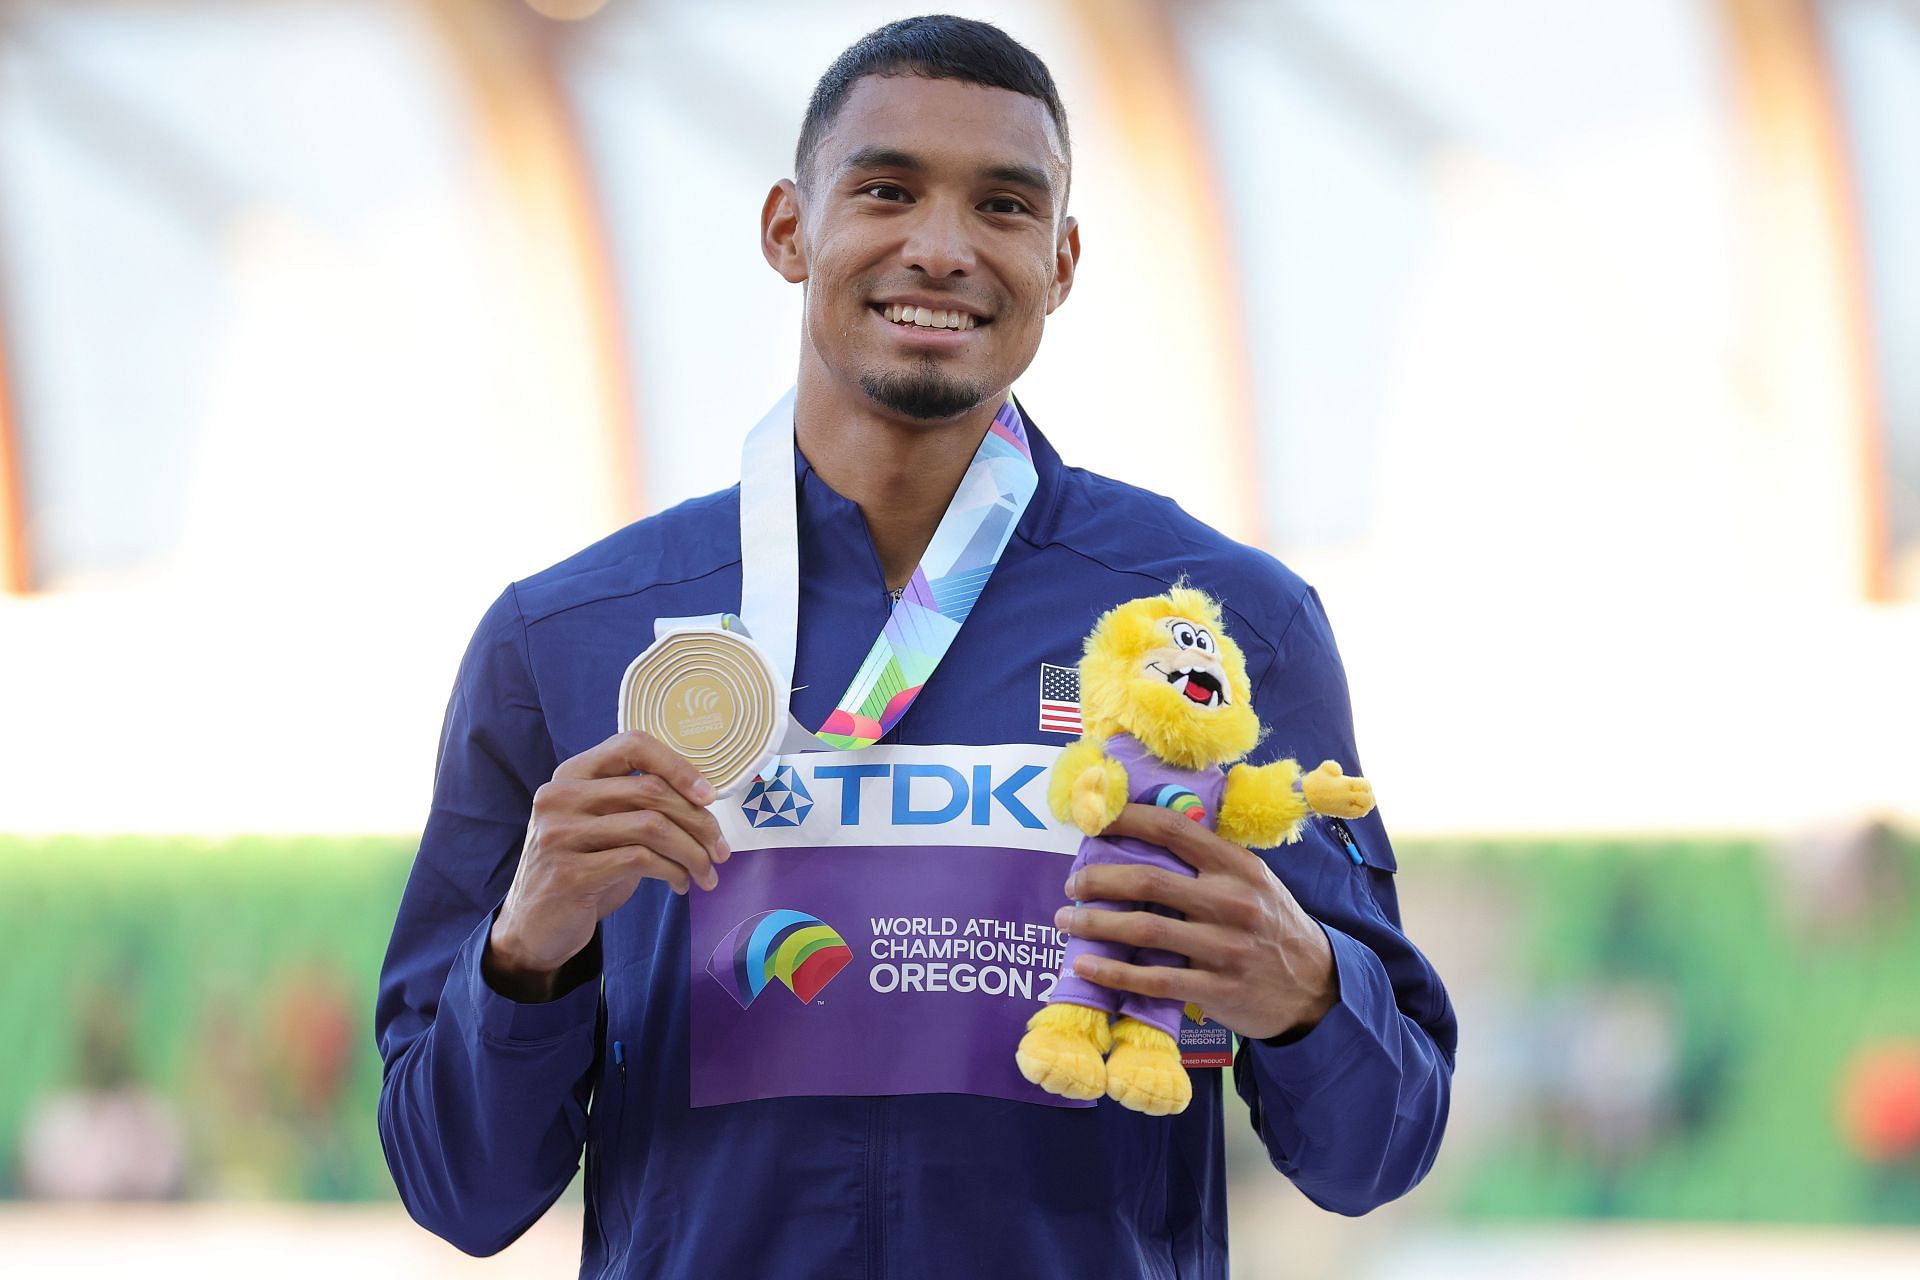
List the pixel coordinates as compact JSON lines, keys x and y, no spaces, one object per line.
{"x":1206,"y":946}
{"x":636,"y":752}
{"x":1211,"y":901}
{"x":630,"y":794}
{"x":1166,"y":981}
{"x":654,"y":831}
{"x":1137,"y":882}
{"x":635,"y":863}
{"x":1185,"y":839}
{"x":625,"y":823}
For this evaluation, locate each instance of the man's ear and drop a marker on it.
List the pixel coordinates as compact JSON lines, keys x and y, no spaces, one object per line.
{"x":1066,"y":260}
{"x":781,"y":239}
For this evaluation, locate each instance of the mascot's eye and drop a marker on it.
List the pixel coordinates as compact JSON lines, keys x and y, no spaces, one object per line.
{"x":1183,"y":635}
{"x":1203,"y":640}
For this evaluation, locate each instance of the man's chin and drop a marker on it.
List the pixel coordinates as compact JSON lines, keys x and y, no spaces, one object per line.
{"x":923,"y":393}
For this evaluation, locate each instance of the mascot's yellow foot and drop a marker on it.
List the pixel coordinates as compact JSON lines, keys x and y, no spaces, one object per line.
{"x":1144,"y":1073}
{"x":1065,"y":1049}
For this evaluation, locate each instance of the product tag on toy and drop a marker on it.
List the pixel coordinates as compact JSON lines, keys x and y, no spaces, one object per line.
{"x":1204,"y":1043}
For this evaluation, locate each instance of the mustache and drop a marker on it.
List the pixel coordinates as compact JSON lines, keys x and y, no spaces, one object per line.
{"x":983,"y":305}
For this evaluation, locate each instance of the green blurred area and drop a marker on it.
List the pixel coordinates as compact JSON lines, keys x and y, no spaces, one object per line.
{"x":1667,"y":1027}
{"x":1779,"y":967}
{"x":235,"y":964}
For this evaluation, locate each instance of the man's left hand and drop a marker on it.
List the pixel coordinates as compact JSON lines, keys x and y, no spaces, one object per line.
{"x":1256,"y":961}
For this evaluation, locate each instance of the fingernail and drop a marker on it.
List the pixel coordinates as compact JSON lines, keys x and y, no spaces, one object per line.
{"x":703,"y":791}
{"x":1073,"y":882}
{"x":720,"y":851}
{"x":1063,"y":919}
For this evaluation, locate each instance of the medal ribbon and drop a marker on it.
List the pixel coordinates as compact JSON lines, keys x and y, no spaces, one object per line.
{"x":973,"y":533}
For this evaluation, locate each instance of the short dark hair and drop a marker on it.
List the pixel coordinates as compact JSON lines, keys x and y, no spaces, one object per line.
{"x":937,"y":46}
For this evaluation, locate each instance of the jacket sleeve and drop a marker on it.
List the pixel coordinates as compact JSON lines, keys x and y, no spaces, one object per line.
{"x":483,"y":1101}
{"x":1353,"y":1110}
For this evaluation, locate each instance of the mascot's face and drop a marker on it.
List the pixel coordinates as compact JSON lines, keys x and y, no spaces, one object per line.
{"x":1163,"y":669}
{"x":1190,"y":662}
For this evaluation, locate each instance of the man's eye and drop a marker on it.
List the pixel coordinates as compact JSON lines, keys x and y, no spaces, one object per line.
{"x":1003,"y":204}
{"x":884,"y":191}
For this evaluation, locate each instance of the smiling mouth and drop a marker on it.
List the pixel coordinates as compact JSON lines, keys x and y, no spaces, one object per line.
{"x":1198,"y":687}
{"x":928,"y":317}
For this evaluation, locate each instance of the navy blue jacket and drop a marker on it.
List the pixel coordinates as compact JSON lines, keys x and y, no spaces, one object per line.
{"x":486,"y":1104}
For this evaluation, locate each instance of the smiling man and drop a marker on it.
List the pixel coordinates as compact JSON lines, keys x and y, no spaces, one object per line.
{"x":591,"y":951}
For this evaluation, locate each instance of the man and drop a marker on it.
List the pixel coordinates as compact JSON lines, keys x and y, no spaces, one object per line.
{"x":543,"y":987}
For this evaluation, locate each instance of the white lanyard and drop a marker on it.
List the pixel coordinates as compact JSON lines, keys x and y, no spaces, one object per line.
{"x":770,"y":557}
{"x":770,"y":554}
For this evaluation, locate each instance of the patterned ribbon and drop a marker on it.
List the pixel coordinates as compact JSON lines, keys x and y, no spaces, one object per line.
{"x":972,"y":535}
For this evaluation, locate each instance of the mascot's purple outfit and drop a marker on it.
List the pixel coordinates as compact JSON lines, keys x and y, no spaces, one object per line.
{"x":1147,"y":777}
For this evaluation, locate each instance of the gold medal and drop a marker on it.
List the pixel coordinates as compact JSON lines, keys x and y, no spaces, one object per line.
{"x":708,"y":694}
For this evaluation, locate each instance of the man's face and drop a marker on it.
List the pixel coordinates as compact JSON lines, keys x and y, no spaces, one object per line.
{"x":932,"y":242}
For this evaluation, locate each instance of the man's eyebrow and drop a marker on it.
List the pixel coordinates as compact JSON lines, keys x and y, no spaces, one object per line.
{"x":878,"y":156}
{"x":1021,"y":175}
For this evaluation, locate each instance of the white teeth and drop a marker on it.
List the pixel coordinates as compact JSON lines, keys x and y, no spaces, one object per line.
{"x":927,"y":318}
{"x":1179,"y":681}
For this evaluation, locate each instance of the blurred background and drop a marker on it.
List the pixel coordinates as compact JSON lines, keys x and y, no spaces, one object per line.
{"x":1567,"y":346}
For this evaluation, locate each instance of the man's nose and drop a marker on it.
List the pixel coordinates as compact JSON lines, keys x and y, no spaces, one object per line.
{"x":938,"y":242}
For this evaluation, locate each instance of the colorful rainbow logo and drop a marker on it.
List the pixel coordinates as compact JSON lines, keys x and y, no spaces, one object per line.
{"x":799,"y":950}
{"x":1177,"y":798}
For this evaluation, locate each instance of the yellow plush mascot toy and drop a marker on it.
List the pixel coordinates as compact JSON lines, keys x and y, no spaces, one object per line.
{"x":1166,"y":705}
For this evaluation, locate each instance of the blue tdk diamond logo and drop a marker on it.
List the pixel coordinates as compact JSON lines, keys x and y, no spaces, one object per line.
{"x":779,"y":801}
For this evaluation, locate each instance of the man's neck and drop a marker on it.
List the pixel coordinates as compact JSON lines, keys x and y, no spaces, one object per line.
{"x":901,"y":473}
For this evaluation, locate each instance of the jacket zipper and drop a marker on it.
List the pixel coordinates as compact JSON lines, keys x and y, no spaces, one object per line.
{"x":606,"y":1108}
{"x":1345,"y":833}
{"x":876,"y":1189}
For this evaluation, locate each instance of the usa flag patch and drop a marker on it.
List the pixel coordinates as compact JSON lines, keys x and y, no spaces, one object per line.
{"x":1060,"y":699}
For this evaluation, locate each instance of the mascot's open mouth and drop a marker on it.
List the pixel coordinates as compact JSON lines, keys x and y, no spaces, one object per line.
{"x":1198,"y":686}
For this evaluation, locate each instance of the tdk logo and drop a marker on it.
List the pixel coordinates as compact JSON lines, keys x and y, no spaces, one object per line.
{"x":779,"y":801}
{"x":907,"y":795}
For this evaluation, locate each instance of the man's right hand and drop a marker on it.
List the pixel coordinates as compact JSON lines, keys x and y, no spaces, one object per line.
{"x":598,"y":829}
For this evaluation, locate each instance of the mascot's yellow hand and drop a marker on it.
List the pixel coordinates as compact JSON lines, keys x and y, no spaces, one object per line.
{"x":1093,"y":812}
{"x":1331,"y":792}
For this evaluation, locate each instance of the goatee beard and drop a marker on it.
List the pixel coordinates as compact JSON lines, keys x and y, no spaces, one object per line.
{"x":924,"y":394}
